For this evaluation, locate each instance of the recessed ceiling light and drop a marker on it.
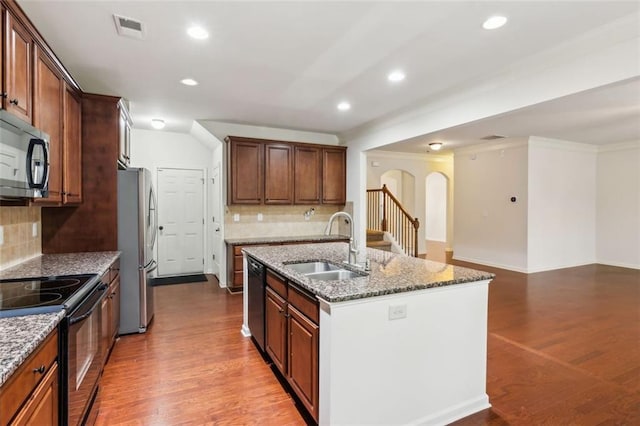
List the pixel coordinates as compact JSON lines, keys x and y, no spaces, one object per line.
{"x":494,"y":22}
{"x":435,"y":146}
{"x":197,"y":32}
{"x":396,"y":76}
{"x":189,"y":82}
{"x":157,"y":123}
{"x":344,"y":106}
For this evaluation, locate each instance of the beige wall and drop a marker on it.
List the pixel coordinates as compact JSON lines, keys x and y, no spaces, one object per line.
{"x":278,"y":221}
{"x":19,"y":244}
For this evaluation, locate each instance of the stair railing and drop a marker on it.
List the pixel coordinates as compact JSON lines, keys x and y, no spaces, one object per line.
{"x":385,"y":213}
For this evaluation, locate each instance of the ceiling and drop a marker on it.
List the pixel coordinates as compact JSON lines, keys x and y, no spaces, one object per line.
{"x":288,"y":64}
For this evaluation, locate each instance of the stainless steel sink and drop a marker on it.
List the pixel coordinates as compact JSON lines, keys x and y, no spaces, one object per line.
{"x":312,"y":267}
{"x":339,"y":274}
{"x":324,"y":271}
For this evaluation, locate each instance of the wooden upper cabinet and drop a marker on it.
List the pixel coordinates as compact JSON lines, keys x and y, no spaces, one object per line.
{"x":278,"y":174}
{"x":47,"y":116}
{"x":246,"y":178}
{"x":307,"y":174}
{"x":18,"y":63}
{"x":334,"y":175}
{"x":72,"y":146}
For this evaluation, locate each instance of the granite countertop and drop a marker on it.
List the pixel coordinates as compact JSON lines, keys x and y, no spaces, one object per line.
{"x":301,"y":238}
{"x":390,"y":272}
{"x":48,"y":265}
{"x":19,"y":336}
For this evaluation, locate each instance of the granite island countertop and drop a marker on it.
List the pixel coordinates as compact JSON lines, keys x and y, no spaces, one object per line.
{"x":48,"y":265}
{"x":390,"y":272}
{"x":19,"y":336}
{"x":270,"y":240}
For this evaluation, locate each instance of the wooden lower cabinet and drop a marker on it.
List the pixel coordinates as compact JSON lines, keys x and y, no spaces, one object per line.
{"x":110,"y":319}
{"x":293,"y":339}
{"x":30,"y":395}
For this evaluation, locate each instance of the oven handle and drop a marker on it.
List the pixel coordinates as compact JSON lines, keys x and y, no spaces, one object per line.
{"x":73,"y":320}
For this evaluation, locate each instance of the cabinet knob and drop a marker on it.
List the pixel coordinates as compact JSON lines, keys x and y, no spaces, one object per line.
{"x":39,"y":369}
{"x":14,"y":102}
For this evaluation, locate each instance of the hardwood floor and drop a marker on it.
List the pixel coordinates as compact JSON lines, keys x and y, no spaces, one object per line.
{"x":563,"y":349}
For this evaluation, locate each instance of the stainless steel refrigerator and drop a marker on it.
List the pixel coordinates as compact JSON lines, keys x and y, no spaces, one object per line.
{"x":137,"y":218}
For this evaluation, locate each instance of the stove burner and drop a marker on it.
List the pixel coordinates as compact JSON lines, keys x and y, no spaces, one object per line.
{"x":53,"y":284}
{"x":29,"y":301}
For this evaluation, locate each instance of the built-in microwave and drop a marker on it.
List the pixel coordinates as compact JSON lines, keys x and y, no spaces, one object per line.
{"x":24,"y":159}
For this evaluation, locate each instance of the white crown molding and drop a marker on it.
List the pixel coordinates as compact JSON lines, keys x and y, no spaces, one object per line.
{"x":562,"y":145}
{"x":436,"y":158}
{"x":621,"y":146}
{"x":507,"y":143}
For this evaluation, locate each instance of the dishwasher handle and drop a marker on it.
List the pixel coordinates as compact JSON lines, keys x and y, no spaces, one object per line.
{"x":254,"y":267}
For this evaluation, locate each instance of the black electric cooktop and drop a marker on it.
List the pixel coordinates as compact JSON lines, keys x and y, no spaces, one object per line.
{"x":26,"y":296}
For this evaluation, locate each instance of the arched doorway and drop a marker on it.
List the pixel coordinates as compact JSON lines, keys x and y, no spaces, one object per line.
{"x":436,"y":207}
{"x":402,"y":185}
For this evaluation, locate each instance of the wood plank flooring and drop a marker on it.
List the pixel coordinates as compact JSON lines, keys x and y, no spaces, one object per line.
{"x":563,"y":349}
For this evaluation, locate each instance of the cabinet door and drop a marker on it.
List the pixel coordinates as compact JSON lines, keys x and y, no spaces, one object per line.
{"x":334,"y":176}
{"x":276,"y":329}
{"x":105,"y":327}
{"x":42,"y":407}
{"x":114,"y":312}
{"x":47,"y":116}
{"x":307,"y":175}
{"x":278,"y":174}
{"x":246,"y":179}
{"x":303,"y":359}
{"x":72,"y":147}
{"x":18,"y":61}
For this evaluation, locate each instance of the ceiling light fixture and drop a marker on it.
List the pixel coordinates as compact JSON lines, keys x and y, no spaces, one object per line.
{"x":344,"y":106}
{"x":494,"y":22}
{"x":435,"y":146}
{"x":197,"y":32}
{"x":157,"y":123}
{"x":189,"y":82}
{"x":396,"y":76}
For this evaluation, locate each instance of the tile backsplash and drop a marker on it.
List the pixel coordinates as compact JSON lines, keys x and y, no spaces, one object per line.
{"x":19,"y":244}
{"x":277,"y":221}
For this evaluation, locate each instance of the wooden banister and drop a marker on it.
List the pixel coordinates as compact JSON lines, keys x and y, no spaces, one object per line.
{"x":385,"y":213}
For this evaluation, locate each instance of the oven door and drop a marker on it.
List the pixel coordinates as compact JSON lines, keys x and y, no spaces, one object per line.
{"x":84,"y":355}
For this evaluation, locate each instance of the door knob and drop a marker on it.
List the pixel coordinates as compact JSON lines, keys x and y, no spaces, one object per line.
{"x":161,"y":227}
{"x":217,"y":229}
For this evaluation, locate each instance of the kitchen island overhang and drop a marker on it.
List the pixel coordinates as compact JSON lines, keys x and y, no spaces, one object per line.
{"x":405,"y":345}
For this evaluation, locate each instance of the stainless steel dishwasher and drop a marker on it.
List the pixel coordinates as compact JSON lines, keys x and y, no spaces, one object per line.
{"x":256,"y":289}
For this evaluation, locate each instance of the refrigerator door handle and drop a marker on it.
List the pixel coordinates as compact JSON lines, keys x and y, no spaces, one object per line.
{"x":150,"y":266}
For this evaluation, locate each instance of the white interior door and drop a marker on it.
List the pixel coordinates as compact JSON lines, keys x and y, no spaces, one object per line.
{"x":180,"y":222}
{"x":216,"y":213}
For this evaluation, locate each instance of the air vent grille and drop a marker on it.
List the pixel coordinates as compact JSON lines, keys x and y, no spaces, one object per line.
{"x":492,"y":137}
{"x":129,"y":27}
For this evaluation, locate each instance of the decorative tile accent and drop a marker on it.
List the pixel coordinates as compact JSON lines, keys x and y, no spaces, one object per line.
{"x":19,"y":244}
{"x":390,"y":272}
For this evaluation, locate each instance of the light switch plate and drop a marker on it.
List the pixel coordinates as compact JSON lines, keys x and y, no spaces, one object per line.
{"x":260,"y":217}
{"x":34,"y":229}
{"x":1,"y":235}
{"x":236,"y":217}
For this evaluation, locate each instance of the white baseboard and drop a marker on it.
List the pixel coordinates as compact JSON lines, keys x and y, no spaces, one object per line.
{"x":245,"y":331}
{"x":456,"y":412}
{"x":618,"y":264}
{"x":492,"y":264}
{"x":556,"y":267}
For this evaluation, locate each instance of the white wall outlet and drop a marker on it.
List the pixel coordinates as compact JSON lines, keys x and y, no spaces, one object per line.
{"x":34,"y":229}
{"x":1,"y":235}
{"x":397,"y":312}
{"x":260,"y":217}
{"x":236,"y":217}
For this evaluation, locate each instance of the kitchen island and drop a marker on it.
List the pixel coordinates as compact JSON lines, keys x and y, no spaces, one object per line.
{"x":404,"y":344}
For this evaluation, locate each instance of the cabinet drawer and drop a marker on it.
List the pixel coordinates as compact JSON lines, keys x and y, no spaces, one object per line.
{"x":304,"y":303}
{"x":238,"y":278}
{"x":237,"y":263}
{"x":277,"y":283}
{"x":27,"y":377}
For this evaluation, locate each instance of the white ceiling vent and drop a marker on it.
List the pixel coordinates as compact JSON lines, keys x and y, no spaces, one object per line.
{"x":129,"y":27}
{"x":492,"y":137}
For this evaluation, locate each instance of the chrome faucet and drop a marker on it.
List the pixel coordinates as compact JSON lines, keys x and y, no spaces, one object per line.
{"x":353,"y":252}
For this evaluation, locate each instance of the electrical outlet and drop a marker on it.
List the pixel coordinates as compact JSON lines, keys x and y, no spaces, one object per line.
{"x":1,"y":235}
{"x":260,"y":217}
{"x":236,"y":217}
{"x":34,"y":229}
{"x":397,"y":312}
